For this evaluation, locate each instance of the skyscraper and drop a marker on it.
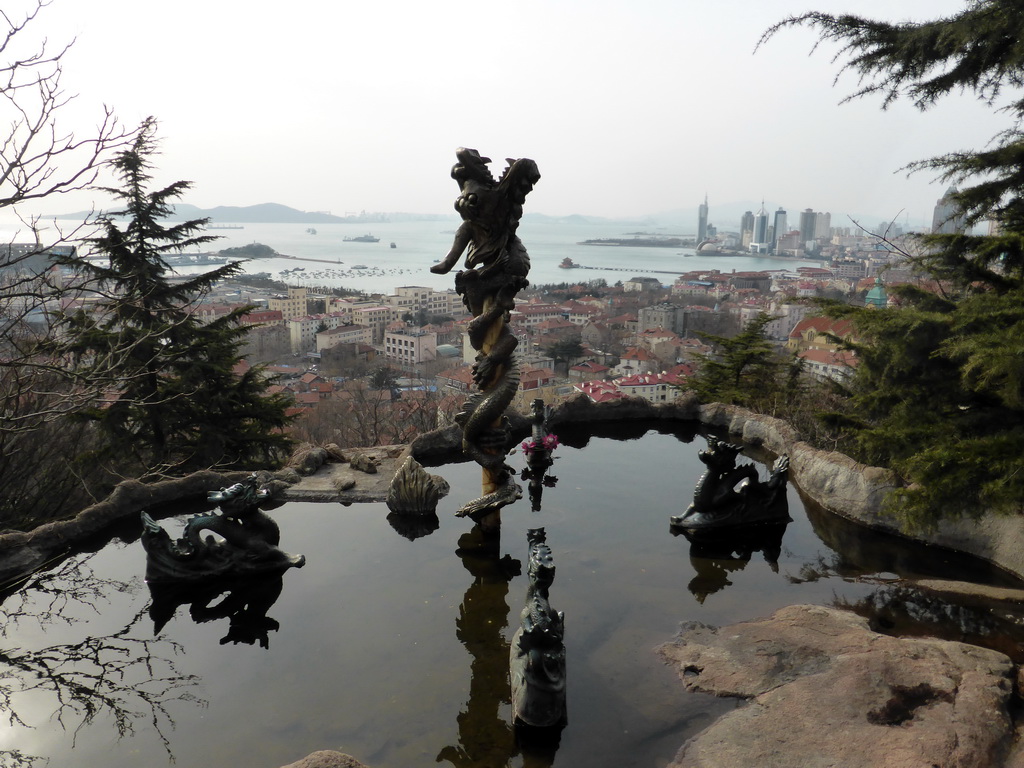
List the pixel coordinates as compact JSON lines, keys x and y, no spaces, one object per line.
{"x":947,"y":219}
{"x":761,"y":225}
{"x":779,"y":226}
{"x":807,"y":222}
{"x":746,"y":229}
{"x":822,"y":226}
{"x":702,"y":221}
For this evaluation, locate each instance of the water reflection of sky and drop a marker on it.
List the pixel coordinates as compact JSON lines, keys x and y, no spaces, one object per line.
{"x":396,"y":651}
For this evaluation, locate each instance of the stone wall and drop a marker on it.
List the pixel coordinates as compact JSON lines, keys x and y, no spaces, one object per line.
{"x":856,"y":491}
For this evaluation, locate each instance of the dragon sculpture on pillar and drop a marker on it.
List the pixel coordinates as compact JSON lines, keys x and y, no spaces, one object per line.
{"x":496,"y":268}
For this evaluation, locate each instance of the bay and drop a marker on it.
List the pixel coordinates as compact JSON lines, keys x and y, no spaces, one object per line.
{"x":327,"y":259}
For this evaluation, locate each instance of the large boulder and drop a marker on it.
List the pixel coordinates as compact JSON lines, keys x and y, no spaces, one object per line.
{"x":825,"y":690}
{"x":326,"y":758}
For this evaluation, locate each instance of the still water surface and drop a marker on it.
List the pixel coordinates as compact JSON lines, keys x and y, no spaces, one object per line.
{"x":396,"y":650}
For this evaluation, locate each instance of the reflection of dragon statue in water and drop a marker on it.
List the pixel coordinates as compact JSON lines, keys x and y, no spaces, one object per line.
{"x":537,"y":655}
{"x":497,"y":266}
{"x":244,"y":542}
{"x":727,"y":495}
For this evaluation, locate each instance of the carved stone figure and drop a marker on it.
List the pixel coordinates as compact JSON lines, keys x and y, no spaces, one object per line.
{"x":537,"y":655}
{"x":728,"y":495}
{"x":245,"y":543}
{"x":414,"y":491}
{"x":497,"y":267}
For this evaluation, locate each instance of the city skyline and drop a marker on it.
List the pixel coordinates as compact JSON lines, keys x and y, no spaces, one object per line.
{"x":349,"y":108}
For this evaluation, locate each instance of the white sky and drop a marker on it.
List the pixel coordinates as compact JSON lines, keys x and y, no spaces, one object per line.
{"x":629,"y":107}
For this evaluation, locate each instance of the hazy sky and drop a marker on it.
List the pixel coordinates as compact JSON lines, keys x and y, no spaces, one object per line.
{"x":629,"y":107}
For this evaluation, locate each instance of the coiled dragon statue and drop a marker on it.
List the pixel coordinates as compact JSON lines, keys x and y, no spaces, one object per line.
{"x":497,"y":266}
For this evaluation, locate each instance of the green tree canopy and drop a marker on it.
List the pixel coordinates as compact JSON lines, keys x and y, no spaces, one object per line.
{"x":939,"y":393}
{"x":177,"y":402}
{"x":742,"y":370}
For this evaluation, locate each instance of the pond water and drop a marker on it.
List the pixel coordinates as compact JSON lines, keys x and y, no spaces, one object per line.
{"x":396,"y":650}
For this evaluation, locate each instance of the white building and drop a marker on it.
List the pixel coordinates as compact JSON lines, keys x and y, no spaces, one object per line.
{"x":410,"y":347}
{"x":343,"y":334}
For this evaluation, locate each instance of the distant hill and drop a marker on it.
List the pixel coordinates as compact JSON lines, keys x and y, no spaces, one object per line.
{"x":265,"y":213}
{"x":273,"y":213}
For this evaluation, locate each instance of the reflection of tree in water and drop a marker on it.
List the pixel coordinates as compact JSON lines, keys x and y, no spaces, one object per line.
{"x":486,"y":738}
{"x":907,"y":611}
{"x":128,"y":678}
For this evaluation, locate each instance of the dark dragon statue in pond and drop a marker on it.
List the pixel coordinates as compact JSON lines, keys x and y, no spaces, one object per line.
{"x":728,"y":496}
{"x":537,"y":653}
{"x":497,"y":266}
{"x":244,"y":542}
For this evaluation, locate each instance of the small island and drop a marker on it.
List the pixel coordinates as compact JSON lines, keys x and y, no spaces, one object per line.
{"x":250,"y":251}
{"x":641,"y":242}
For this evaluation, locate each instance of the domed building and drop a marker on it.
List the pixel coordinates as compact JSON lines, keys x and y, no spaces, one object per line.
{"x":877,"y":297}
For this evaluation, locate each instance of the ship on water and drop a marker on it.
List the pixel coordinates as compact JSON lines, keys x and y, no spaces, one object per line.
{"x":362,"y":239}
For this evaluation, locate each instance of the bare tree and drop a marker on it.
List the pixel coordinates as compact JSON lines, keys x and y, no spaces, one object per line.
{"x":127,"y":676}
{"x":39,"y":159}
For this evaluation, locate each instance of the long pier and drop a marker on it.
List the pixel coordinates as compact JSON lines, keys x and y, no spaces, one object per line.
{"x":630,"y":269}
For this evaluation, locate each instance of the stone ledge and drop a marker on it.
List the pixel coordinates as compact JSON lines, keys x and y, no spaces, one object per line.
{"x":824,"y":689}
{"x":856,"y":491}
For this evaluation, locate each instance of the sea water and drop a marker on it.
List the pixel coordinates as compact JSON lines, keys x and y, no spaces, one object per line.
{"x":327,"y":259}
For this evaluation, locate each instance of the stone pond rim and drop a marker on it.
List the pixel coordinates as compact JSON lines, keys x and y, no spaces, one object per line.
{"x":833,"y":480}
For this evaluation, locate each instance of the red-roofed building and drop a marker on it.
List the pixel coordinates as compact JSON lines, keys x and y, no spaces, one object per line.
{"x":653,"y":387}
{"x":829,"y":364}
{"x":634,"y":360}
{"x":598,"y":391}
{"x":588,"y":370}
{"x":456,"y":380}
{"x":815,"y":333}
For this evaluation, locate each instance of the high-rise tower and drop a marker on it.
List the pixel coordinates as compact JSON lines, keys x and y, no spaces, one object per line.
{"x":807,"y":221}
{"x":746,"y":229}
{"x":702,"y":221}
{"x":779,"y":225}
{"x":947,"y":219}
{"x":761,"y":226}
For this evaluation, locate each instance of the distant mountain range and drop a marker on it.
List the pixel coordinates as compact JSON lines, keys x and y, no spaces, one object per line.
{"x":725,"y":216}
{"x":275,"y":213}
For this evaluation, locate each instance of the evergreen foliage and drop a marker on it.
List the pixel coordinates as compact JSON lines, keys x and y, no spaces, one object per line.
{"x":939,"y":392}
{"x":565,"y":350}
{"x":178,"y":404}
{"x":744,"y":370}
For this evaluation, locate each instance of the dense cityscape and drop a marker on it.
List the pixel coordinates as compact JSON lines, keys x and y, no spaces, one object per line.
{"x":407,"y":350}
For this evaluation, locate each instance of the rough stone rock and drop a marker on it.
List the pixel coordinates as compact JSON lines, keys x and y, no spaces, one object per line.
{"x":343,"y":483}
{"x":364,"y":463}
{"x":326,"y":758}
{"x":438,"y":445}
{"x":20,"y":553}
{"x":825,"y":690}
{"x":288,"y":475}
{"x":307,"y":459}
{"x":334,"y":452}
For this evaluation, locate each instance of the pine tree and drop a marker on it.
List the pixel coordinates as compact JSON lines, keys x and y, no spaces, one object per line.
{"x":178,"y":403}
{"x":744,"y":369}
{"x":939,"y":393}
